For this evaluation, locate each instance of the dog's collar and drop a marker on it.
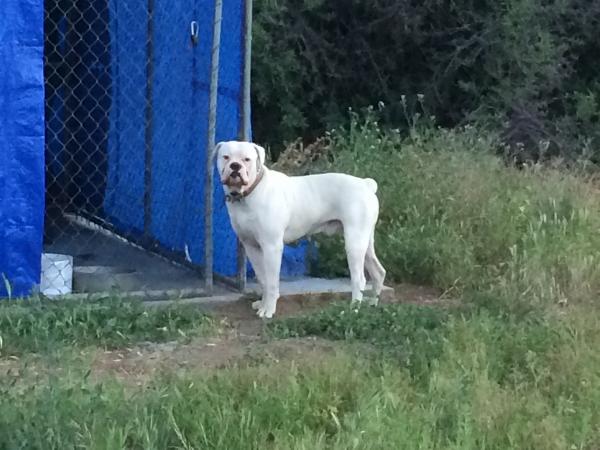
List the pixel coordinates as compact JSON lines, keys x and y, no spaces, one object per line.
{"x":236,"y":196}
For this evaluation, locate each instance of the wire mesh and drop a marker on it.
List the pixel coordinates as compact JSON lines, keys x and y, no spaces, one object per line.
{"x":125,"y":167}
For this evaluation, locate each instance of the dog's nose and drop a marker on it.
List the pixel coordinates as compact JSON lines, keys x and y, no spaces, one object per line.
{"x":235,"y":166}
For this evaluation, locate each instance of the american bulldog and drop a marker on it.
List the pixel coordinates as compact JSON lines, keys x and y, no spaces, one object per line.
{"x":268,"y":209}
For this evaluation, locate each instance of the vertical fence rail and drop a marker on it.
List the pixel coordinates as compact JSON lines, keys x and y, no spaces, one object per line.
{"x":245,"y":122}
{"x":149,"y":122}
{"x":212,"y":122}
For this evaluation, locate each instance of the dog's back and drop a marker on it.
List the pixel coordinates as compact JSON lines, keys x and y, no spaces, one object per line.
{"x":330,"y":196}
{"x":337,"y":181}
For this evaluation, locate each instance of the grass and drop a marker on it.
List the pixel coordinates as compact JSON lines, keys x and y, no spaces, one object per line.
{"x":409,"y":333}
{"x":415,"y":336}
{"x":35,"y":325}
{"x":485,"y":381}
{"x":475,"y":379}
{"x":506,"y":369}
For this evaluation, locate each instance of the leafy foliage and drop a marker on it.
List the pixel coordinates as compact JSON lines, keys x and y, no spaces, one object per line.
{"x":523,"y":65}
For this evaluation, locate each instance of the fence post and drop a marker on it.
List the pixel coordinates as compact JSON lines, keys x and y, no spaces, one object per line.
{"x":149,"y":115}
{"x":246,"y":125}
{"x":212,"y":121}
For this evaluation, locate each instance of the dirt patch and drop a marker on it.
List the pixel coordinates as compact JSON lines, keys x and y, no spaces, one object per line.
{"x":140,"y":363}
{"x":243,"y":341}
{"x":241,"y":316}
{"x":410,"y":293}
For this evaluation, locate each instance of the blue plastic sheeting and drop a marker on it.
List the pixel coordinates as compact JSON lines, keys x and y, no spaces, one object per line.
{"x":21,"y":144}
{"x":124,"y":200}
{"x":180,"y":100}
{"x":184,"y":69}
{"x":95,"y":131}
{"x":295,"y":261}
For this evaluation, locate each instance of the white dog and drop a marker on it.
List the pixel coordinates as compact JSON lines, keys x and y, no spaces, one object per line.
{"x":268,"y":208}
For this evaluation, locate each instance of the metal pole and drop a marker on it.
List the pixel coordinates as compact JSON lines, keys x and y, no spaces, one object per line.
{"x":246,"y":125}
{"x":149,"y":121}
{"x":210,"y":145}
{"x":247,"y":71}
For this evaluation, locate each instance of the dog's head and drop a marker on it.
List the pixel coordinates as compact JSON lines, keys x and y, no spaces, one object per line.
{"x":239,"y":164}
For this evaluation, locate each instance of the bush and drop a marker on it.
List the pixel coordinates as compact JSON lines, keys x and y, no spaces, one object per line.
{"x":526,"y":65}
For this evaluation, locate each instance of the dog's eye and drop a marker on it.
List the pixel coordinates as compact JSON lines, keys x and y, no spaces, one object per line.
{"x":225,"y":157}
{"x":247,"y":159}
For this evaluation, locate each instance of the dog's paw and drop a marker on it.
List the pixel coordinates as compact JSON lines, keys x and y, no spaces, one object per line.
{"x":265,"y":312}
{"x":257,"y":304}
{"x":373,"y":301}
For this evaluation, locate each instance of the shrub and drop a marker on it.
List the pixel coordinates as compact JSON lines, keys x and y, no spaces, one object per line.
{"x":523,"y":64}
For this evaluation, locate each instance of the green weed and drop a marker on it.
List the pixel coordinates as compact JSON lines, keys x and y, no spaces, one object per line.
{"x":36,"y":325}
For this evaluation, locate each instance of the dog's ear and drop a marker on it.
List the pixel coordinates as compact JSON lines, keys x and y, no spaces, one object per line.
{"x":260,"y":151}
{"x":215,"y":151}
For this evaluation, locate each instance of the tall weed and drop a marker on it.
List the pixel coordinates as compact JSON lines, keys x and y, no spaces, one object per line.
{"x":454,"y":216}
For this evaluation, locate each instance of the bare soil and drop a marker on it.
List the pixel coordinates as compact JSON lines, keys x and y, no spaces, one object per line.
{"x":242,"y":341}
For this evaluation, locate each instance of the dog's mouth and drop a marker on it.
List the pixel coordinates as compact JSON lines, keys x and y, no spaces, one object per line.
{"x":235,"y":180}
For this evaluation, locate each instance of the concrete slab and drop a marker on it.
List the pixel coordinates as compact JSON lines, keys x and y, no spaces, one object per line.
{"x":311,"y":285}
{"x":155,"y":280}
{"x":317,"y":288}
{"x":105,"y":263}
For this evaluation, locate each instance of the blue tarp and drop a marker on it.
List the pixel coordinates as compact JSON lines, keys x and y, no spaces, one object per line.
{"x":181,"y":77}
{"x":21,"y":144}
{"x":180,"y":92}
{"x":96,"y":122}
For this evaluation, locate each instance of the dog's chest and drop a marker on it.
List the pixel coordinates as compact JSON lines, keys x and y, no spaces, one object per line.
{"x":244,"y":220}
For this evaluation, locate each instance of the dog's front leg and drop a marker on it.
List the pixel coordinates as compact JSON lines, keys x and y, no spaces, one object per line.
{"x":271,"y":256}
{"x":254,"y":254}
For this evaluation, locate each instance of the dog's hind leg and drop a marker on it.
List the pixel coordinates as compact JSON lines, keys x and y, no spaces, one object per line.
{"x":374,"y":268}
{"x":356,"y":243}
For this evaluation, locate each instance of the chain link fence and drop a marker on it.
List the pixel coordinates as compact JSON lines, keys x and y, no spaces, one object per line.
{"x":132,"y":110}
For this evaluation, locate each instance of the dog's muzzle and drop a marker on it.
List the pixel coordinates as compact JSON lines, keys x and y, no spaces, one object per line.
{"x":234,"y":196}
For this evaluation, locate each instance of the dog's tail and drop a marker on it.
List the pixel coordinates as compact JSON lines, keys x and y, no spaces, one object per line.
{"x":371,"y":184}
